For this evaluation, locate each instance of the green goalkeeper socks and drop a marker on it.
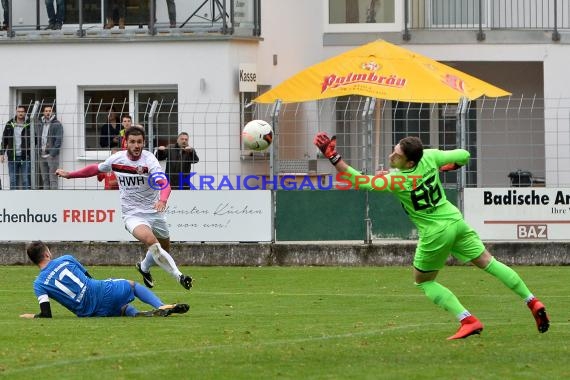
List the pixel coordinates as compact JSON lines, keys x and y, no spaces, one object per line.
{"x":442,"y":297}
{"x":508,"y":277}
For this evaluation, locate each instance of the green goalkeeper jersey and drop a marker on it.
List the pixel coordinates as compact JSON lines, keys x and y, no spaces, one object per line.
{"x":419,"y":189}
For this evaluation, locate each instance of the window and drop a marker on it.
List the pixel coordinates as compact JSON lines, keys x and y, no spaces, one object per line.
{"x":91,"y":12}
{"x":165,"y":122}
{"x":361,"y":11}
{"x":138,"y":103}
{"x":136,"y":12}
{"x":96,"y":113}
{"x":411,"y":119}
{"x":447,"y":126}
{"x":436,"y":126}
{"x":252,"y":111}
{"x":29,"y":96}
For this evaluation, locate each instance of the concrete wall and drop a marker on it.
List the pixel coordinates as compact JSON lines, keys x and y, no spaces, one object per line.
{"x":381,"y":253}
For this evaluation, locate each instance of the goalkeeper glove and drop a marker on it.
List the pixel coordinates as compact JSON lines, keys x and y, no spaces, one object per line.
{"x":448,"y":167}
{"x":327,"y":146}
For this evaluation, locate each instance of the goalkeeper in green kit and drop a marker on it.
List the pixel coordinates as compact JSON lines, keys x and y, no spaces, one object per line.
{"x":442,"y":230}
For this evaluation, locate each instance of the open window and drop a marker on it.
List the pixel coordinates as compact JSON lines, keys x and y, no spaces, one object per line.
{"x":28,"y":96}
{"x":138,"y":103}
{"x":94,"y":12}
{"x":165,"y":122}
{"x":362,"y":16}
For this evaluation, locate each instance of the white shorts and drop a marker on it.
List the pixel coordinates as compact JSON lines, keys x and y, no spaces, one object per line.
{"x":156,"y":221}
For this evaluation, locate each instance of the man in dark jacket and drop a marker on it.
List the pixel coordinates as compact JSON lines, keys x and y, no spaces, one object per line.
{"x":180,"y":157}
{"x":110,"y":132}
{"x":16,"y":146}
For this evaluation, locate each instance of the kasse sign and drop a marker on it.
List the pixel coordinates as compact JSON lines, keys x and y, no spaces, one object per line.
{"x":247,"y":77}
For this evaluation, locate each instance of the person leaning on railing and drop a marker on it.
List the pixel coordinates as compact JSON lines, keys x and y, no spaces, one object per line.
{"x":180,"y":157}
{"x":126,"y":123}
{"x":171,"y":12}
{"x":55,"y":15}
{"x":121,"y":7}
{"x":6,"y":15}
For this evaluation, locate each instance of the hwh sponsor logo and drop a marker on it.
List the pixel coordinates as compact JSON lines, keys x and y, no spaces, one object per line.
{"x":131,"y":181}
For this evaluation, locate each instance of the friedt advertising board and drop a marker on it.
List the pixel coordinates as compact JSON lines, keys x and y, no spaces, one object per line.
{"x":521,"y":213}
{"x":95,"y":215}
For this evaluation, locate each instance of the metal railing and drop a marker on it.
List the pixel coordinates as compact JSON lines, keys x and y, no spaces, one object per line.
{"x":482,"y":15}
{"x":227,"y":17}
{"x":503,"y":135}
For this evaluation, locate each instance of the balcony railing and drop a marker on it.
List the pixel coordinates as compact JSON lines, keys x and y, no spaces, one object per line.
{"x":482,"y":15}
{"x":226,"y":17}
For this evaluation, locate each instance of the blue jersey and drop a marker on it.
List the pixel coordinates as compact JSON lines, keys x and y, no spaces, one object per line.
{"x":65,"y":281}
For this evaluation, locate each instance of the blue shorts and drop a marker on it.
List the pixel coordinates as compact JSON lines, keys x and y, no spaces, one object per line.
{"x":116,"y":294}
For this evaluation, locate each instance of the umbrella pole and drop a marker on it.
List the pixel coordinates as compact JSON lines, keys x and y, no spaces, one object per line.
{"x":368,"y":120}
{"x":460,"y":137}
{"x":274,"y":162}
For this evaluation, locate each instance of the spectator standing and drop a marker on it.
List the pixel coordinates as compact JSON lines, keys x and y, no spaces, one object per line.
{"x":55,"y":14}
{"x":126,"y":122}
{"x":109,"y":135}
{"x":110,"y":6}
{"x":144,"y":12}
{"x":6,"y":8}
{"x":50,"y":137}
{"x":179,"y":159}
{"x":171,"y":12}
{"x":16,"y":146}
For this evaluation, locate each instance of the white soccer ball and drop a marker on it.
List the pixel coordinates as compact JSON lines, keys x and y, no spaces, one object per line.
{"x":257,"y":135}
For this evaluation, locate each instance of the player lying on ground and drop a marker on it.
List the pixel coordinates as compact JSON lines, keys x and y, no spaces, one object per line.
{"x":65,"y":280}
{"x":441,"y":227}
{"x":142,"y":205}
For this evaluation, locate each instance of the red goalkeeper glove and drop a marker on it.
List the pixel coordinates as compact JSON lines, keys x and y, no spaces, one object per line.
{"x":327,"y":146}
{"x":449,"y":167}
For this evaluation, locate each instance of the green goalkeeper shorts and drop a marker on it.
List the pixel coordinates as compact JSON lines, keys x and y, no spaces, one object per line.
{"x":458,"y":239}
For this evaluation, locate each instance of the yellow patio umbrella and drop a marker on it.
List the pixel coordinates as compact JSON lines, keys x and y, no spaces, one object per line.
{"x":385,"y":71}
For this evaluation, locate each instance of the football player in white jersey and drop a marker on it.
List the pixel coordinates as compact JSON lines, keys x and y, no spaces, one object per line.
{"x":142,"y":204}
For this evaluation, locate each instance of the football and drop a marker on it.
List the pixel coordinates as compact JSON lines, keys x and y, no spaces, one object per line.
{"x":257,"y":135}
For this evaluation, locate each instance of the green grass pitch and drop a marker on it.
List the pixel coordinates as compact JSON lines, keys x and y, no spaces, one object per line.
{"x":293,"y":323}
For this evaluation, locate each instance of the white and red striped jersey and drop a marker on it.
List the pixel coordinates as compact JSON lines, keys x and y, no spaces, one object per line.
{"x":136,"y":193}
